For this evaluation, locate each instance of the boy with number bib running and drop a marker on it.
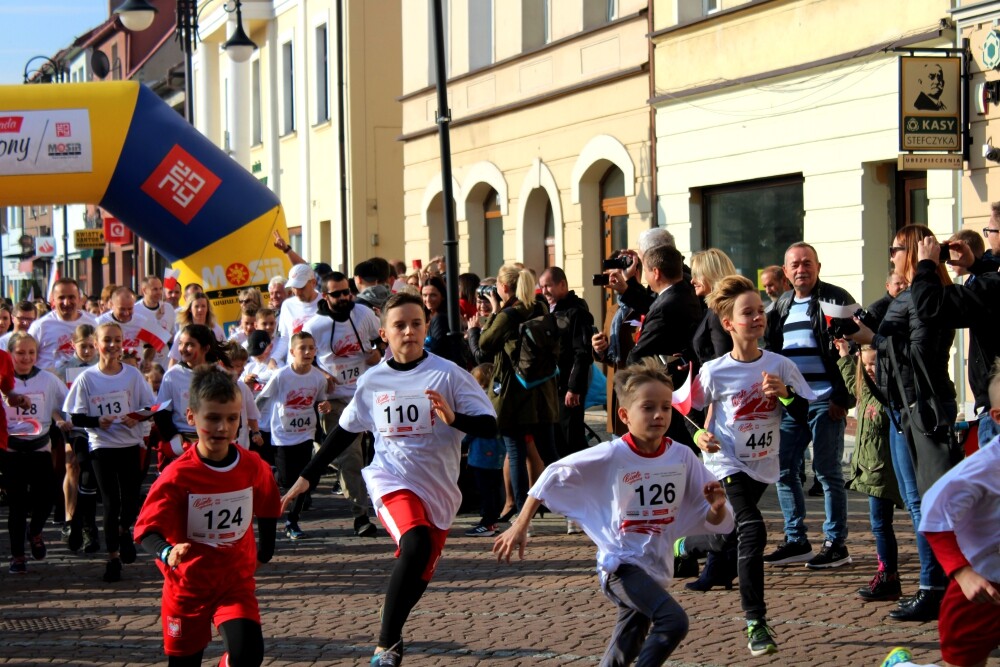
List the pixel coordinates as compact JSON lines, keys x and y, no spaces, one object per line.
{"x":417,"y":405}
{"x":197,"y":521}
{"x":746,"y":391}
{"x":298,"y":391}
{"x":632,"y":496}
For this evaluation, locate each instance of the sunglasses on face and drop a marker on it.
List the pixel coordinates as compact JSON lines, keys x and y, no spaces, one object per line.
{"x":894,"y":249}
{"x":337,"y":293}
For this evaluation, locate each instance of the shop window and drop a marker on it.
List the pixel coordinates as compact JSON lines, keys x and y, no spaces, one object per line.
{"x":754,"y":222}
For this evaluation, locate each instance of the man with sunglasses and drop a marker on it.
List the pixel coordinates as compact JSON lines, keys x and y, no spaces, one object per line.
{"x":346,"y":346}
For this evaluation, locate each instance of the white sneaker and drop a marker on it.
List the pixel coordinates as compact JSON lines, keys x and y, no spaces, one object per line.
{"x":572,"y":527}
{"x":531,"y":532}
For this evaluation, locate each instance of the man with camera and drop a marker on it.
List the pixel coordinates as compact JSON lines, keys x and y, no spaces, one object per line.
{"x":974,"y":305}
{"x":797,"y":329}
{"x":575,"y":358}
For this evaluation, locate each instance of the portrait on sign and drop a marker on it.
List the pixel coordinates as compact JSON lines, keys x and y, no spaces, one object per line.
{"x":930,"y":106}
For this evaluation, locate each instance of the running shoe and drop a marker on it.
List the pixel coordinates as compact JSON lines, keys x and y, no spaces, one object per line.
{"x":38,"y":549}
{"x":390,"y":657}
{"x":75,"y":539}
{"x":831,"y":555}
{"x":479,"y":530}
{"x":293,"y":532}
{"x":18,"y":565}
{"x":91,"y":540}
{"x":64,"y":534}
{"x":113,"y":570}
{"x":789,"y":552}
{"x":572,"y":527}
{"x":896,"y":656}
{"x":761,"y":639}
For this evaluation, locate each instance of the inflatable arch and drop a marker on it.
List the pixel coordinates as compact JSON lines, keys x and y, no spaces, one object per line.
{"x":116,"y":144}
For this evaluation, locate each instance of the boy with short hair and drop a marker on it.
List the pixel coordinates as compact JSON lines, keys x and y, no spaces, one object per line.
{"x":417,"y":405}
{"x":633,"y":496}
{"x":196,"y":520}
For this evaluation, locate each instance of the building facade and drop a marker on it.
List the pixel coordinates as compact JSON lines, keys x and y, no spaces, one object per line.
{"x":313,"y":115}
{"x":550,"y":133}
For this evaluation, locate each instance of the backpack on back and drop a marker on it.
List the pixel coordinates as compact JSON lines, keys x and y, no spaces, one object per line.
{"x":536,"y":353}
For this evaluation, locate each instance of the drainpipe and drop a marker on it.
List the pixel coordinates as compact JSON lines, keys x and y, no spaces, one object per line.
{"x":345,"y":246}
{"x":654,"y":197}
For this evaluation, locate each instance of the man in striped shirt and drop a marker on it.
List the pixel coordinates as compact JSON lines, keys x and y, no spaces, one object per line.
{"x":797,"y":329}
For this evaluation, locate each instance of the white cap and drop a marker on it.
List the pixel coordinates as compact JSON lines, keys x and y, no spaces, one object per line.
{"x":299,"y":276}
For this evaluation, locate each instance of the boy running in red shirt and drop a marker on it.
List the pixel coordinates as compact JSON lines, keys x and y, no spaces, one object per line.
{"x":196,"y":520}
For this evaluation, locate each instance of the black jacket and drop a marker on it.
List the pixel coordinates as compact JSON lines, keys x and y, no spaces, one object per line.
{"x":774,"y":337}
{"x":575,"y":351}
{"x":710,"y":340}
{"x":669,"y":324}
{"x":976,"y":306}
{"x":877,"y":309}
{"x":911,"y":337}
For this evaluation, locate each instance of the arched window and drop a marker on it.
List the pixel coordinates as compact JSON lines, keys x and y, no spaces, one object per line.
{"x":493,"y":232}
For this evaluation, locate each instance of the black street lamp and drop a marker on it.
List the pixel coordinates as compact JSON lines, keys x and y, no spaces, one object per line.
{"x":51,"y":71}
{"x":137,"y":15}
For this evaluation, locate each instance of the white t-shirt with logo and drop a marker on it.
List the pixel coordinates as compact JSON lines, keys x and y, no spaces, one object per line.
{"x":966,"y":501}
{"x":746,"y":423}
{"x":294,"y":314}
{"x":47,"y":394}
{"x":131,"y":330}
{"x":55,"y":337}
{"x":97,"y":394}
{"x":338,"y":350}
{"x":263,"y":373}
{"x":632,"y":505}
{"x":294,"y":398}
{"x":176,"y":388}
{"x":414,"y":449}
{"x":164,"y":314}
{"x":175,"y":353}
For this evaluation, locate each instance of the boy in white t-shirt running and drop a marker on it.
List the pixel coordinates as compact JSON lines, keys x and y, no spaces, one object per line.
{"x":632,"y":496}
{"x":298,"y":391}
{"x":746,"y":392}
{"x":417,"y":405}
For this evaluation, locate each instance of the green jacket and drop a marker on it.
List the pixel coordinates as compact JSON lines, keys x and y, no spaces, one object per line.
{"x":515,"y":405}
{"x":871,"y":462}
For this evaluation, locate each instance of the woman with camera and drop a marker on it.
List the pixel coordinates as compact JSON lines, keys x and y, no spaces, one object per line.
{"x":912,"y":376}
{"x":522,"y":413}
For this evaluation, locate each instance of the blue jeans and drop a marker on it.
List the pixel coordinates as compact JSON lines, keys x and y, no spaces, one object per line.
{"x":880,"y":513}
{"x":988,"y":429}
{"x":827,"y":437}
{"x":931,"y":573}
{"x":517,"y":455}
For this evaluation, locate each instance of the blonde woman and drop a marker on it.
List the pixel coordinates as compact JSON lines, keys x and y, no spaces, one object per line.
{"x":198,"y":310}
{"x":708,"y":268}
{"x":522,"y":413}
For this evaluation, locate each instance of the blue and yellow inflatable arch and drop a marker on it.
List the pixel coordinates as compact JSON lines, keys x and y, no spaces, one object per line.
{"x":116,"y":144}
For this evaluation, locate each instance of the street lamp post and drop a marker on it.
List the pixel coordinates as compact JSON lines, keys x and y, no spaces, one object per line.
{"x":51,"y":71}
{"x":137,"y":15}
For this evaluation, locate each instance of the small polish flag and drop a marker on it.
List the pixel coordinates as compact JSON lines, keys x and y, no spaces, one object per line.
{"x":53,"y":277}
{"x":153,"y":335}
{"x":681,"y":399}
{"x":170,"y":277}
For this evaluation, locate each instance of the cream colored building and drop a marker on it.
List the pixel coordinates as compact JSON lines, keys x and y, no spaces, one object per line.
{"x":777,"y":120}
{"x":550,"y":133}
{"x":280,"y":115}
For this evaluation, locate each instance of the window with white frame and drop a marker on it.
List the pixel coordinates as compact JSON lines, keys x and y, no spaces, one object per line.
{"x":598,"y":12}
{"x":287,"y":88}
{"x":480,"y":33}
{"x":535,"y":29}
{"x":322,"y":74}
{"x":692,"y":10}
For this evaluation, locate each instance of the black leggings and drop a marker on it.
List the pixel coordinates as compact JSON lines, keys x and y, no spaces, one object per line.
{"x":117,"y":472}
{"x":406,"y":584}
{"x":291,"y":461}
{"x":29,"y":479}
{"x":244,"y":644}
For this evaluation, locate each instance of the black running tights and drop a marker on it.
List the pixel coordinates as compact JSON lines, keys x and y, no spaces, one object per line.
{"x":244,"y":644}
{"x":406,"y":584}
